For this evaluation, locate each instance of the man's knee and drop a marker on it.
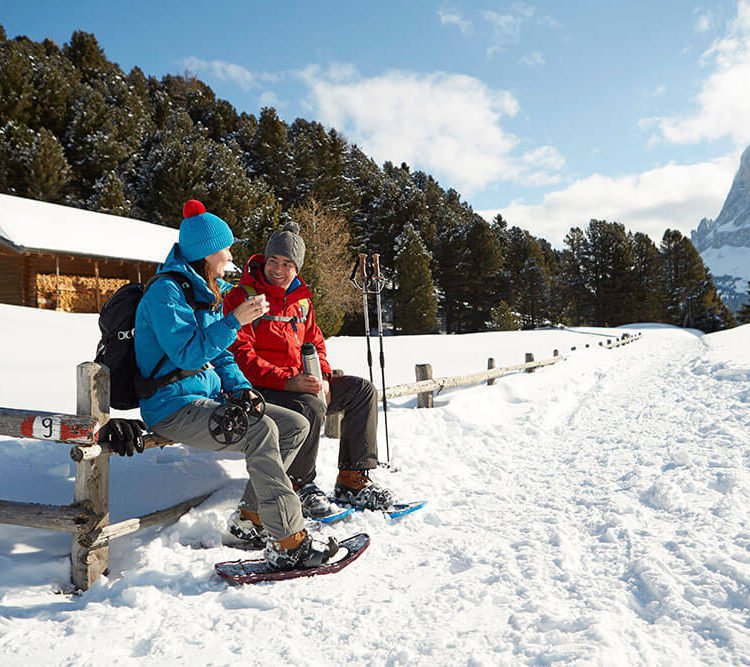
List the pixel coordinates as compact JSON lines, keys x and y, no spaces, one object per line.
{"x":300,"y":427}
{"x":366,"y":390}
{"x":313,"y":408}
{"x":369,"y":388}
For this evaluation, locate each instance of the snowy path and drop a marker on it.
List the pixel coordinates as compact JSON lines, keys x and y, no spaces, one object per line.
{"x":594,"y":512}
{"x":636,"y":496}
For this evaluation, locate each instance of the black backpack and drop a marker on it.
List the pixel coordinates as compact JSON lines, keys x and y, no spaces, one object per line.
{"x":116,"y":349}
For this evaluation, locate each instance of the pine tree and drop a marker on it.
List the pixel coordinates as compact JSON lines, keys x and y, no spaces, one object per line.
{"x":32,"y":164}
{"x":308,"y":140}
{"x":399,"y":203}
{"x":694,"y":302}
{"x":650,"y":294}
{"x":504,"y":319}
{"x":414,"y":302}
{"x":449,"y":216}
{"x":743,"y":314}
{"x":87,"y":56}
{"x":172,"y":172}
{"x":109,"y":196}
{"x":270,"y":155}
{"x":257,"y":224}
{"x":575,"y":292}
{"x":480,"y":269}
{"x":527,"y":276}
{"x":532,"y":296}
{"x":17,"y":85}
{"x":609,"y":271}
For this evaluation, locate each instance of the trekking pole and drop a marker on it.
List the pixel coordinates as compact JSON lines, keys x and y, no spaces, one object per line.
{"x":377,"y":285}
{"x":359,"y":279}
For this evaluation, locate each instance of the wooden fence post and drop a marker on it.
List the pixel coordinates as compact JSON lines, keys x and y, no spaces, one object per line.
{"x":92,"y":478}
{"x":424,"y":372}
{"x":529,"y":359}
{"x":490,"y":366}
{"x":332,"y":424}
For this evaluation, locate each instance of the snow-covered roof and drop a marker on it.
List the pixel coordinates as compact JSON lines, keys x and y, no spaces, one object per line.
{"x":34,"y":225}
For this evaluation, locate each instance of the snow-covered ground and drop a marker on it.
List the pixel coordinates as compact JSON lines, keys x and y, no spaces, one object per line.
{"x":592,"y":512}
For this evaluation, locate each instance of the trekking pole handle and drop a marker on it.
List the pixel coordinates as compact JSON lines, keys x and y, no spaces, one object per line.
{"x":377,"y":278}
{"x":376,"y":266}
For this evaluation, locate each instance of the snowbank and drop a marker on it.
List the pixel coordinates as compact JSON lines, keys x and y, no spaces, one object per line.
{"x":592,"y":512}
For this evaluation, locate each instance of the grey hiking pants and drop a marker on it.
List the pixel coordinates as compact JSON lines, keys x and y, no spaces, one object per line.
{"x":269,"y":447}
{"x":357,"y":398}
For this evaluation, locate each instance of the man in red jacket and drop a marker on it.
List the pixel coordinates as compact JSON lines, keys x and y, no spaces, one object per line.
{"x":269,"y":353}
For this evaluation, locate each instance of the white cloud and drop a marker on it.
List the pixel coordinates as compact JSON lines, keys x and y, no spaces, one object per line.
{"x":446,"y":124}
{"x":223,"y":71}
{"x":550,"y":22}
{"x":703,"y":21}
{"x":270,"y":99}
{"x":453,"y":17}
{"x":506,"y":28}
{"x":534,"y":59}
{"x":669,"y":197}
{"x":723,"y":103}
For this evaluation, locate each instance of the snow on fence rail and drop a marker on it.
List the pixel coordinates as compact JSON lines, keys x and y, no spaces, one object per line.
{"x":87,"y":518}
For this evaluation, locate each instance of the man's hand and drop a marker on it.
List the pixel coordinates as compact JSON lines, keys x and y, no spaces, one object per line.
{"x":303,"y":383}
{"x":124,"y":436}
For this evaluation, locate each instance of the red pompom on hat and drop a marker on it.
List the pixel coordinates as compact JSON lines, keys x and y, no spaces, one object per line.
{"x":192,"y":207}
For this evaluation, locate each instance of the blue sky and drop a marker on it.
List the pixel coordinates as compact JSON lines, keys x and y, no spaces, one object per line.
{"x":549,"y":112}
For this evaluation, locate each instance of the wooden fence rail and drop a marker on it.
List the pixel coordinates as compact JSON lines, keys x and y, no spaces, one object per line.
{"x":87,"y":518}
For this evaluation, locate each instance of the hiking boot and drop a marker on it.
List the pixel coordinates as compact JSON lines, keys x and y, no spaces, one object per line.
{"x":354,"y":487}
{"x":306,"y":552}
{"x":314,"y":501}
{"x":253,"y":534}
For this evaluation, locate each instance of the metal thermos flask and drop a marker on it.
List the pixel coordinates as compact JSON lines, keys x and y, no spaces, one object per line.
{"x":311,"y":365}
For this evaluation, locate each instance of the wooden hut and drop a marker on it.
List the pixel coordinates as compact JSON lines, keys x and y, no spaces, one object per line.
{"x":64,"y":258}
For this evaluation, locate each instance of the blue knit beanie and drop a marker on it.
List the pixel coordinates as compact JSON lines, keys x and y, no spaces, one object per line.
{"x":202,"y":234}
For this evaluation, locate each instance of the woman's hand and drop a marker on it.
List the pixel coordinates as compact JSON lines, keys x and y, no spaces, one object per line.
{"x":251,"y":309}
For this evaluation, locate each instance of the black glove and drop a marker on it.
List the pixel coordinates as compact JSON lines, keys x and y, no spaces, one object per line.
{"x":124,"y":436}
{"x":251,"y":401}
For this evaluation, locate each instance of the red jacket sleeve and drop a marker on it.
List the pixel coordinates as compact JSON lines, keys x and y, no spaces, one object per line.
{"x":256,"y":369}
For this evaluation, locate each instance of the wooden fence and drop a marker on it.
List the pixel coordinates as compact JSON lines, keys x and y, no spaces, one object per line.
{"x":426,"y":386}
{"x":87,"y":517}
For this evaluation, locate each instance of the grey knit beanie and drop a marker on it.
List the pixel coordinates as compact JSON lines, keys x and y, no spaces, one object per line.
{"x":289,"y":243}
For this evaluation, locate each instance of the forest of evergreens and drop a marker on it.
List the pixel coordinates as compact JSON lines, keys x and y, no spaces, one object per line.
{"x":75,"y":129}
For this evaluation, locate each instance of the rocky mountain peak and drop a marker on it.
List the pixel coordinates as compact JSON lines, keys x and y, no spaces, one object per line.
{"x":724,"y":243}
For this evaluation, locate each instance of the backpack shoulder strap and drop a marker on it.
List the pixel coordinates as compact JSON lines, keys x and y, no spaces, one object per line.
{"x":304,"y":305}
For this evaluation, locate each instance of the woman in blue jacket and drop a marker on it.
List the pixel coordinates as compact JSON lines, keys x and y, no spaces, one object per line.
{"x":168,"y":329}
